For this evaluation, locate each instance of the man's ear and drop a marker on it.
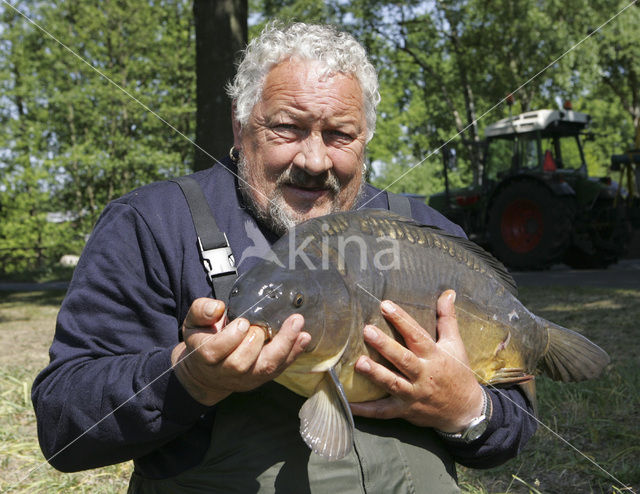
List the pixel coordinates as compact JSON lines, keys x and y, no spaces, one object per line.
{"x":237,"y":130}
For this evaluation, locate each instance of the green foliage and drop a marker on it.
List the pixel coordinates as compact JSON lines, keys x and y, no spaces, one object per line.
{"x":72,"y":140}
{"x":618,"y":53}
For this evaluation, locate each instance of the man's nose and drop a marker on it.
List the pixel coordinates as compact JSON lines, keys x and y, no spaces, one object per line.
{"x":313,"y":157}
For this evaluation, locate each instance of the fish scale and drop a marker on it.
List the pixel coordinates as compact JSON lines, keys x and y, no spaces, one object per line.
{"x":409,"y":233}
{"x":338,"y":283}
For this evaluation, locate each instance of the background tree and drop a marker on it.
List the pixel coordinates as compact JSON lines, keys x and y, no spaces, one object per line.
{"x":72,"y":141}
{"x":23,"y":143}
{"x":221,"y":33}
{"x":618,"y":62}
{"x":448,"y":63}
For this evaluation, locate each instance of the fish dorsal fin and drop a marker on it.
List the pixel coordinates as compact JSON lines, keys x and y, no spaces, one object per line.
{"x":498,"y":269}
{"x":326,"y":422}
{"x":495,"y":268}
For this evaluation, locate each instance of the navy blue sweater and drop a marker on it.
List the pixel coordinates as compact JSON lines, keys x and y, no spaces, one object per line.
{"x":108,"y":394}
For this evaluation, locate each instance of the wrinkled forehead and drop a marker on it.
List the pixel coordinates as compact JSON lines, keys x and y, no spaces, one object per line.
{"x":306,"y":84}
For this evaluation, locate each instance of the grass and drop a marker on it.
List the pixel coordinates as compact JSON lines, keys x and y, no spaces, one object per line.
{"x":598,"y":418}
{"x":27,"y":323}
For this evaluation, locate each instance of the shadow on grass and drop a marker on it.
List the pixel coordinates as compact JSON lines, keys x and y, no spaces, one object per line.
{"x":42,"y":298}
{"x":608,"y":317}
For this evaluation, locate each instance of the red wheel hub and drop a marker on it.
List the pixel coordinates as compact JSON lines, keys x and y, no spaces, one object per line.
{"x":522,"y":226}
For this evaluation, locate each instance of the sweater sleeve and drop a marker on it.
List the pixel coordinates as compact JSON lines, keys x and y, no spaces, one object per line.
{"x":109,"y":394}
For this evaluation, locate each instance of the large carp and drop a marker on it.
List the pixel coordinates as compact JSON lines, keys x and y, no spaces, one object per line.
{"x":335,"y":270}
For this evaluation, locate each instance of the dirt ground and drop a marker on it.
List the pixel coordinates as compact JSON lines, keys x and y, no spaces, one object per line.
{"x":26,"y":333}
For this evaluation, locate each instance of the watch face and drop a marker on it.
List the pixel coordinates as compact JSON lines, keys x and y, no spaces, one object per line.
{"x":476,"y":429}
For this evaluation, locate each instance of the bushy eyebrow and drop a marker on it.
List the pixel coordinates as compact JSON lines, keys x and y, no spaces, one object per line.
{"x":306,"y":117}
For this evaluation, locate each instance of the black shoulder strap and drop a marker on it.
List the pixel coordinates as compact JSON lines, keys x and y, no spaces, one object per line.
{"x":213,"y":245}
{"x":399,"y":204}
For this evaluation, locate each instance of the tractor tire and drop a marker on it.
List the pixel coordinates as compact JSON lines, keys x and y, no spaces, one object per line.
{"x":529,"y":226}
{"x":601,"y":237}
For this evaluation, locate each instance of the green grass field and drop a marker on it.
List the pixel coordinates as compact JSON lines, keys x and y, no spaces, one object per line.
{"x":589,"y":440}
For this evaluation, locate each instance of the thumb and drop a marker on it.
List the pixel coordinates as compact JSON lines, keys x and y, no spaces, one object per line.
{"x":204,"y":312}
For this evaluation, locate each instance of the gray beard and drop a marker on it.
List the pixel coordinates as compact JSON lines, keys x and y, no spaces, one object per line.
{"x":277,"y":215}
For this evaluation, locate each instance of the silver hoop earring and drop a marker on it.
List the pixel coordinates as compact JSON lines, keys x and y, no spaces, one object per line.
{"x":234,"y":154}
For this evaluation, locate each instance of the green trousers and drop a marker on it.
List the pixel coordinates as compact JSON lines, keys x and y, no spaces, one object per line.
{"x":256,"y":448}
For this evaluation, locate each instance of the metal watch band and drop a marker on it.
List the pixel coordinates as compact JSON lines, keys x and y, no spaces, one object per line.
{"x":476,"y":427}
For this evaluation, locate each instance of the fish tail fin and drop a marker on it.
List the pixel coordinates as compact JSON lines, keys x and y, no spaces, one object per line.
{"x":326,"y":422}
{"x":570,"y":356}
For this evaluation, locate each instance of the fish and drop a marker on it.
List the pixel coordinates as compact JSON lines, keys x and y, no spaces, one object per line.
{"x":335,"y":270}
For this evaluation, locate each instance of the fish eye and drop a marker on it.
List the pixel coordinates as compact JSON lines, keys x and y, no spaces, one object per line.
{"x":234,"y":291}
{"x":298,"y":300}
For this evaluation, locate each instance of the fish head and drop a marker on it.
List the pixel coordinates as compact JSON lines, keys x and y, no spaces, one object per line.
{"x":267,"y":294}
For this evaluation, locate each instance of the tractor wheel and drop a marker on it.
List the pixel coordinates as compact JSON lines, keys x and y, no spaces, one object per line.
{"x":602,"y":236}
{"x":529,"y":226}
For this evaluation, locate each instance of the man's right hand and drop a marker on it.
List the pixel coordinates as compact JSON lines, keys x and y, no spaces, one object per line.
{"x":215,"y":358}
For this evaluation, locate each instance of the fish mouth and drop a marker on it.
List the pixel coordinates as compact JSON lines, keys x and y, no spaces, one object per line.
{"x":262,"y":324}
{"x":268,"y":330}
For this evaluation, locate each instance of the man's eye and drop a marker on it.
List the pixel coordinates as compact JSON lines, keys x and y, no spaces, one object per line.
{"x":341,"y":136}
{"x":286,"y":127}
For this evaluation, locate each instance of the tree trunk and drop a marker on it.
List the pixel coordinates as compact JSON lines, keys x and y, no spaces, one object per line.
{"x":472,"y":144}
{"x":221,"y":32}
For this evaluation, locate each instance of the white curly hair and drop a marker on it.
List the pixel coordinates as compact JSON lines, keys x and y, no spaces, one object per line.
{"x":338,"y":51}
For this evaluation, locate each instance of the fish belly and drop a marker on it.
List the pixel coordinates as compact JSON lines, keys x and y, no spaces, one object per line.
{"x":306,"y":373}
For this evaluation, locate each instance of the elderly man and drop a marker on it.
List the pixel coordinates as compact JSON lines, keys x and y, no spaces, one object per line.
{"x":145,"y":365}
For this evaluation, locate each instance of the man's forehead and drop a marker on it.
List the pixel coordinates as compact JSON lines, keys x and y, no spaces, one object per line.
{"x":295,"y":67}
{"x":293,"y":88}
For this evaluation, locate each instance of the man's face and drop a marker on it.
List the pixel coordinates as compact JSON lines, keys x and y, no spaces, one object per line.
{"x":302,"y":150}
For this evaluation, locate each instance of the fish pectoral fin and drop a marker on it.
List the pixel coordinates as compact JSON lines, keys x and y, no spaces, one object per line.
{"x":517,"y":375}
{"x":510,"y":375}
{"x":326,"y":422}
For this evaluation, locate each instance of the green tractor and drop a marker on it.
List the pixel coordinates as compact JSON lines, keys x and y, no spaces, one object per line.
{"x":536,"y":204}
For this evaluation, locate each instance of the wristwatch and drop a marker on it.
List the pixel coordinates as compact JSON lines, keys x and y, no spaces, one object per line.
{"x":476,"y":427}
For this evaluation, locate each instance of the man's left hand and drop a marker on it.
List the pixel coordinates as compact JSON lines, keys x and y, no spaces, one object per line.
{"x":435,"y":386}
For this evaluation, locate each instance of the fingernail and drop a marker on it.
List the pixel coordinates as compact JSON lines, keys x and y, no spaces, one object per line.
{"x":451,"y":296}
{"x":370,"y":333}
{"x":387,"y":307}
{"x":210,"y":309}
{"x":243,"y":325}
{"x":305,"y":339}
{"x":297,"y":323}
{"x":363,"y":365}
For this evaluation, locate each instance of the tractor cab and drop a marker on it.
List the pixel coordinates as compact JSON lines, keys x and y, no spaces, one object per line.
{"x":546,"y":141}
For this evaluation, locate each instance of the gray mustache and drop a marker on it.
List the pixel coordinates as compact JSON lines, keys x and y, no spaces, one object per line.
{"x":299,"y":178}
